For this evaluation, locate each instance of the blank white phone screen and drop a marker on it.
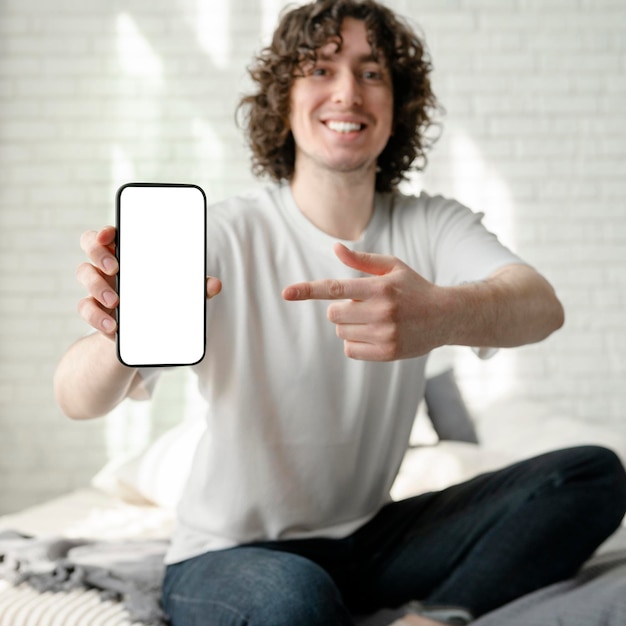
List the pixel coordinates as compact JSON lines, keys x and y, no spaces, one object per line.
{"x":161,"y":248}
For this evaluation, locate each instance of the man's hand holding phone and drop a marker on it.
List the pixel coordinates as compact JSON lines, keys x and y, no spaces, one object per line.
{"x":98,"y":276}
{"x":146,"y":277}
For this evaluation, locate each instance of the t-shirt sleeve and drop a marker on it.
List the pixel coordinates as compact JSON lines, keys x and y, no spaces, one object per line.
{"x":462,"y":249}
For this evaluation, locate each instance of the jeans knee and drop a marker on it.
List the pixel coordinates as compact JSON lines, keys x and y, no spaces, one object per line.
{"x":252,"y":587}
{"x":616,"y":474}
{"x":607,"y":472}
{"x":297,"y":592}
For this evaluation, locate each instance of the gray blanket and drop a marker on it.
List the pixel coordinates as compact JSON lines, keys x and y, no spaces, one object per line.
{"x":595,"y":597}
{"x":132,"y":570}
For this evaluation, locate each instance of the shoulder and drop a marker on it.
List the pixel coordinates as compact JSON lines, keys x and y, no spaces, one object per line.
{"x":432,"y":212}
{"x":241,"y":224}
{"x":245,"y":213}
{"x":424,"y":203}
{"x":253,"y":201}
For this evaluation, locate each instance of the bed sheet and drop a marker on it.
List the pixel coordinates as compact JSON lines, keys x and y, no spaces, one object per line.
{"x":90,"y":512}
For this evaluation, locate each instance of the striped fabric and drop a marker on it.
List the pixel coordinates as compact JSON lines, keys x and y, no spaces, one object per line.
{"x":24,"y":606}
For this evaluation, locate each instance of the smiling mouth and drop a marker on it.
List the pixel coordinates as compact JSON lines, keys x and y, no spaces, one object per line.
{"x":344,"y":127}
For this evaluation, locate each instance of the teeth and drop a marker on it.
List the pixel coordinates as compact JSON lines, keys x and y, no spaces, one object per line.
{"x":343,"y":127}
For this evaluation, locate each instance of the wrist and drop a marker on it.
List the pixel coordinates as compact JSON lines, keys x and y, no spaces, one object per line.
{"x":467,"y":315}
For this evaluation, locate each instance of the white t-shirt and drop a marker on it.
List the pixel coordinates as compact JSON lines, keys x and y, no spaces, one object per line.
{"x":300,"y":440}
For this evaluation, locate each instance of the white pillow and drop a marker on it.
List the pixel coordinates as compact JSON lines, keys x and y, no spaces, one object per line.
{"x":157,"y":475}
{"x":523,"y":429}
{"x":432,"y":468}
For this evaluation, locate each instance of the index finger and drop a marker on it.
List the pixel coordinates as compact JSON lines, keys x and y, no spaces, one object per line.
{"x":103,"y":237}
{"x":328,"y":289}
{"x":99,"y":247}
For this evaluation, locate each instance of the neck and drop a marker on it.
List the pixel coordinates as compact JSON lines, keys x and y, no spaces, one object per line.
{"x":337,"y":203}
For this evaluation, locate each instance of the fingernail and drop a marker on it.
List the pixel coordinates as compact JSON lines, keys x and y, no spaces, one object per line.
{"x":108,"y":325}
{"x":109,"y":299}
{"x":109,"y":264}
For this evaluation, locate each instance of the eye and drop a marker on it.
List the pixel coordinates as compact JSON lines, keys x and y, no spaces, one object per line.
{"x":375,"y":75}
{"x":319,"y":71}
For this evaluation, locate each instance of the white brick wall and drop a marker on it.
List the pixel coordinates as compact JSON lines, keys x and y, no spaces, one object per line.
{"x":96,"y":93}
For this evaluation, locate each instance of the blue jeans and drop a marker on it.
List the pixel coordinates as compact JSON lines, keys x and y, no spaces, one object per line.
{"x":478,"y":544}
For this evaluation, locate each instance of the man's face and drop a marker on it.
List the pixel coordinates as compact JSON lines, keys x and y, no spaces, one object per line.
{"x":341,"y":110}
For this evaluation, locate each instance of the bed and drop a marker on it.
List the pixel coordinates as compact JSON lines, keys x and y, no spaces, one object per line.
{"x":86,"y":518}
{"x":93,"y":557}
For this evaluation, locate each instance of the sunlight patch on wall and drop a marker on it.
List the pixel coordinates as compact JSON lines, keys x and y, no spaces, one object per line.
{"x":136,"y":55}
{"x":212,"y":25}
{"x":207,"y":143}
{"x":478,"y":185}
{"x":270,"y":13}
{"x":128,"y":429}
{"x":210,"y":157}
{"x":137,"y":110}
{"x":123,"y":169}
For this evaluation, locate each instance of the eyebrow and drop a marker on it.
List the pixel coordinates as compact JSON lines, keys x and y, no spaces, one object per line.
{"x":364,"y":58}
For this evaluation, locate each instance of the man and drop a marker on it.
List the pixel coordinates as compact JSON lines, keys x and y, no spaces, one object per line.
{"x":336,"y":287}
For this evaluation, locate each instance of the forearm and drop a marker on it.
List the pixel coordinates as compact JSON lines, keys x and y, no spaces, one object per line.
{"x":513,"y":307}
{"x":90,"y":381}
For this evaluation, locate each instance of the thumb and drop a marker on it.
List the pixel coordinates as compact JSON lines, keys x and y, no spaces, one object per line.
{"x":213,"y":286}
{"x":367,"y":262}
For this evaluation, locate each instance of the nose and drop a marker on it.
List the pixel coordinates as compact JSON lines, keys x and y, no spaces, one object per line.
{"x":347,"y":90}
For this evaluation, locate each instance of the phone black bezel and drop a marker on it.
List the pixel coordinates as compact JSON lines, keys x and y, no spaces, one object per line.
{"x":118,"y":197}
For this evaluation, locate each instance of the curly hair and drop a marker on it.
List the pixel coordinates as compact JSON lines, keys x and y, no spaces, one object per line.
{"x":300,"y":33}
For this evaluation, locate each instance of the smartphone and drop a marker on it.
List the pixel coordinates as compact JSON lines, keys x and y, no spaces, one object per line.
{"x":161,"y":250}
